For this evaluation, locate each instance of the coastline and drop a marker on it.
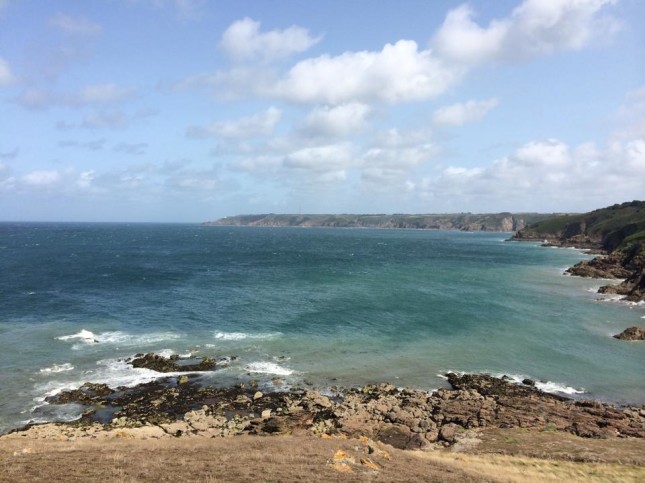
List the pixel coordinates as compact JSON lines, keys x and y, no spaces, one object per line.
{"x":374,"y":431}
{"x":405,"y":418}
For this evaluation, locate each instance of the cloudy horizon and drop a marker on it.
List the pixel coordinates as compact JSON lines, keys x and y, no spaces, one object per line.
{"x":187,"y":110}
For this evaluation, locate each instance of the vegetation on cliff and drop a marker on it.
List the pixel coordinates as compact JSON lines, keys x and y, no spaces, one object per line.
{"x":618,"y":231}
{"x":459,"y":221}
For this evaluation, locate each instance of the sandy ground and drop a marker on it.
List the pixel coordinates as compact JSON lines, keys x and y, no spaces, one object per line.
{"x":497,"y":455}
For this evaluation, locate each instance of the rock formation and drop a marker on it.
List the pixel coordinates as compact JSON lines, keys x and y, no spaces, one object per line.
{"x":404,"y":418}
{"x":632,"y":333}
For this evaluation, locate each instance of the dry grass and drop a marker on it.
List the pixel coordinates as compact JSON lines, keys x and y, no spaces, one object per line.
{"x":241,"y":458}
{"x":520,"y":469}
{"x":292,"y":458}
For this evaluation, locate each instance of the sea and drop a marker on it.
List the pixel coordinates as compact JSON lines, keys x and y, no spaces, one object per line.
{"x":300,"y":307}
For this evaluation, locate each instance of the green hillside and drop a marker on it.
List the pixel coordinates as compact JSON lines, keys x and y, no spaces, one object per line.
{"x":619,"y":230}
{"x":611,"y":228}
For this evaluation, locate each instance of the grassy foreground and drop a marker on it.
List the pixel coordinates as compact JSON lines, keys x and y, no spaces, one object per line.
{"x":497,"y":455}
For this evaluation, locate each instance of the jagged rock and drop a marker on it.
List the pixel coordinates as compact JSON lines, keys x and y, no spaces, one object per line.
{"x":404,"y":418}
{"x":173,"y":363}
{"x":87,"y":394}
{"x":632,"y":333}
{"x":600,"y":267}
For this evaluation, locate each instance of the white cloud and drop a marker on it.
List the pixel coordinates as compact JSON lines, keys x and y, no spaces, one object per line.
{"x":337,"y":121}
{"x":398,"y":73}
{"x":243,"y":41}
{"x":248,"y":127}
{"x":103,"y":94}
{"x":92,"y":95}
{"x":536,"y":27}
{"x":75,"y":25}
{"x":41,"y":179}
{"x":549,"y":174}
{"x":327,"y":158}
{"x":462,"y":113}
{"x":6,"y":76}
{"x":401,"y":71}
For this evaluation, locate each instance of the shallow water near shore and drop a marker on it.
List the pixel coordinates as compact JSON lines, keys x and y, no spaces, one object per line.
{"x":317,"y":307}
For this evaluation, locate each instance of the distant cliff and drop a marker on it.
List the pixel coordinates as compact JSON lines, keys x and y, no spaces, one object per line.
{"x":460,"y":221}
{"x":618,"y":231}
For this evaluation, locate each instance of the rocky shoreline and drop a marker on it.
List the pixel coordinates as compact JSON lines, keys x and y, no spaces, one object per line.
{"x":180,"y":406}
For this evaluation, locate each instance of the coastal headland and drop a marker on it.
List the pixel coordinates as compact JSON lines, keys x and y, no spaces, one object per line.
{"x":615,"y":233}
{"x":457,"y":221}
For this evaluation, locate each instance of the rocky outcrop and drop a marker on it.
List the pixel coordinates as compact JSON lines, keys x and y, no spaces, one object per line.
{"x":404,"y":418}
{"x":174,"y":363}
{"x":632,"y":333}
{"x":600,"y":267}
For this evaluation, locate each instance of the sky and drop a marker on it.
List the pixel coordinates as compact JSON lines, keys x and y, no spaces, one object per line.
{"x":192,"y":110}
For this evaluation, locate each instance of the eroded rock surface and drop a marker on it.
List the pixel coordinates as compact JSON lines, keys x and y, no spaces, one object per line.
{"x":404,"y":418}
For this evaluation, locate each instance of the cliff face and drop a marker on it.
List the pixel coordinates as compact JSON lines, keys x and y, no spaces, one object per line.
{"x":463,"y":221}
{"x":618,"y":231}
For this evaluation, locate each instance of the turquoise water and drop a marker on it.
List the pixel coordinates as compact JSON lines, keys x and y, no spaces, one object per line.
{"x":310,"y":306}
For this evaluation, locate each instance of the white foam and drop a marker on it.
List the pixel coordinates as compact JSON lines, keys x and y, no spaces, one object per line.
{"x":84,"y":335}
{"x":244,"y":335}
{"x":114,"y":373}
{"x":169,"y":352}
{"x":546,"y":386}
{"x":549,"y":386}
{"x":231,"y":335}
{"x":57,"y":368}
{"x":87,"y":337}
{"x":269,"y":368}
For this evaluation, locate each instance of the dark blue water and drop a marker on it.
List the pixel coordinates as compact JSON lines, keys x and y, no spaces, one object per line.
{"x":321,"y":306}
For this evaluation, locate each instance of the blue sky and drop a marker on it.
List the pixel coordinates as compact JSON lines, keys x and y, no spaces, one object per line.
{"x":188,"y":110}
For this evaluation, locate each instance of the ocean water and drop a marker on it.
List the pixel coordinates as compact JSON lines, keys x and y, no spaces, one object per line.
{"x":318,"y":307}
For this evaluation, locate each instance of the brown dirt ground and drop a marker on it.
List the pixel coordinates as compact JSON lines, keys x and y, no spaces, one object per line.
{"x":308,"y":458}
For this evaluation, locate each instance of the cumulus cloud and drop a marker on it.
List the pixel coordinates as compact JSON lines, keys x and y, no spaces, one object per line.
{"x":248,"y":127}
{"x":336,"y":121}
{"x":398,"y":73}
{"x":6,"y":76}
{"x":401,"y":71}
{"x":545,"y":173}
{"x":462,"y":113}
{"x":328,"y":158}
{"x":536,"y":27}
{"x":243,"y":41}
{"x":75,"y":25}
